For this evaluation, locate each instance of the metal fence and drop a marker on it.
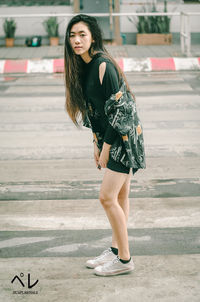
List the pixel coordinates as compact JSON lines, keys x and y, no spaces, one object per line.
{"x":185,"y":32}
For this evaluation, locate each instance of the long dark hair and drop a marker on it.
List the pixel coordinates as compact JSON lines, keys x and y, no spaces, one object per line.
{"x":75,"y":104}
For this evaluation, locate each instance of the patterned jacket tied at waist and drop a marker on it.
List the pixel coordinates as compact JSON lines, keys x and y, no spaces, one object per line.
{"x":121,"y":112}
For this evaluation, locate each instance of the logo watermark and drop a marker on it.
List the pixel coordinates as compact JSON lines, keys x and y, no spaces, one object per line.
{"x":30,"y":285}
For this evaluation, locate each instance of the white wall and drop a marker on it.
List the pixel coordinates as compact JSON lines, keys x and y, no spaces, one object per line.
{"x":33,"y":26}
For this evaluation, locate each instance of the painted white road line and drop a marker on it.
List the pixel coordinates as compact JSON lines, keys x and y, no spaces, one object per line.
{"x":2,"y":64}
{"x":40,"y":66}
{"x":131,"y":64}
{"x":186,"y":64}
{"x":86,"y":214}
{"x":22,"y":240}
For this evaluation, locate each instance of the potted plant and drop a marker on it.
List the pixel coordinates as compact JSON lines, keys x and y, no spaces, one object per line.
{"x":51,"y":27}
{"x":154,"y":30}
{"x":9,"y":29}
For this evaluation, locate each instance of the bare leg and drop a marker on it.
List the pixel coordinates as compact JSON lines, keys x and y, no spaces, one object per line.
{"x":123,"y":200}
{"x":110,"y":188}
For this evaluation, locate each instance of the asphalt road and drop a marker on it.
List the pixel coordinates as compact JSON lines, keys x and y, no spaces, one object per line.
{"x":49,"y":186}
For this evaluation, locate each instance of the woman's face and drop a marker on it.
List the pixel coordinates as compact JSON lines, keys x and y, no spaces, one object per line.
{"x":81,"y":39}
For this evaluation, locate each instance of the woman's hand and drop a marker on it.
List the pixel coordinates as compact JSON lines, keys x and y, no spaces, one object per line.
{"x":104,"y":156}
{"x":96,"y":154}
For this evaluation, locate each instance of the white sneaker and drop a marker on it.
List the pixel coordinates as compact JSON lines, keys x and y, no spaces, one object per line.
{"x":105,"y":257}
{"x":114,"y":267}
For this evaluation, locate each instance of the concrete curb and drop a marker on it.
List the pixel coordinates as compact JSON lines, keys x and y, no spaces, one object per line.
{"x":126,"y":64}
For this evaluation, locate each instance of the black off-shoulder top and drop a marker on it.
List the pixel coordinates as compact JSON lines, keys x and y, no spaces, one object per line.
{"x":96,"y":94}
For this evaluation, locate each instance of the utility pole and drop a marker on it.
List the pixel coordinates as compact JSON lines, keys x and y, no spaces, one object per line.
{"x":118,"y":39}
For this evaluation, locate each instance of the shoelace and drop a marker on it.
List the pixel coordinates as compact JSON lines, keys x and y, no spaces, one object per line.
{"x":110,"y":263}
{"x":116,"y":259}
{"x":108,"y":251}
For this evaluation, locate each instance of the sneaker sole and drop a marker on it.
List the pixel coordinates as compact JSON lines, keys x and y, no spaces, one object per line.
{"x":124,"y":272}
{"x":90,"y":266}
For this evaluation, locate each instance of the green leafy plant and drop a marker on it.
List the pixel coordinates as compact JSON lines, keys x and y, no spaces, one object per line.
{"x":153,"y":24}
{"x":9,"y":26}
{"x":51,"y":26}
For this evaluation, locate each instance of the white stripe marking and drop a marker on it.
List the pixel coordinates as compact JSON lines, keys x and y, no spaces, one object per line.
{"x":68,"y":248}
{"x":43,"y":66}
{"x":2,"y":64}
{"x":186,"y":64}
{"x":22,"y":240}
{"x":135,"y":64}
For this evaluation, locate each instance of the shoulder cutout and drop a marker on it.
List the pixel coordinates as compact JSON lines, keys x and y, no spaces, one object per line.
{"x":102,"y":69}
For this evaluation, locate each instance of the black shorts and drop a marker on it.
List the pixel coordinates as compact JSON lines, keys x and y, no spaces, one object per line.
{"x":119,"y":167}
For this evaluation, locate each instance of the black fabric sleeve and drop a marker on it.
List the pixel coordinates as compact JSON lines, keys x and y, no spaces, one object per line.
{"x":110,"y":135}
{"x":110,"y":85}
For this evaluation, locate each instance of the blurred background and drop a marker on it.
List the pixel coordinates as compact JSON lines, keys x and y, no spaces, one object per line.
{"x":117,"y":30}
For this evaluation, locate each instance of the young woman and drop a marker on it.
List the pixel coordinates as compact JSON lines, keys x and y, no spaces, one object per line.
{"x":92,"y":79}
